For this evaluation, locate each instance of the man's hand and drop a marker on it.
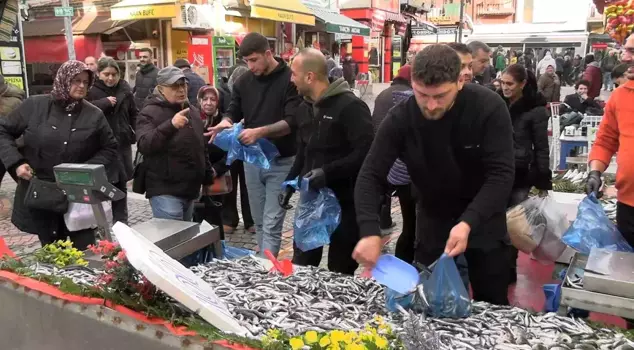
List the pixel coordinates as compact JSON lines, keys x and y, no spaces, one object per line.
{"x":367,"y":251}
{"x":214,"y":130}
{"x":112,"y":99}
{"x":250,"y":136}
{"x":458,"y":238}
{"x":24,"y":171}
{"x":594,"y":183}
{"x":285,"y":196}
{"x":180,"y":119}
{"x":316,"y":179}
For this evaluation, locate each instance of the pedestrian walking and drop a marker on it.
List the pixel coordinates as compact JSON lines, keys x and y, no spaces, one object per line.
{"x":608,"y":63}
{"x":145,"y":80}
{"x":549,"y":85}
{"x":593,"y":75}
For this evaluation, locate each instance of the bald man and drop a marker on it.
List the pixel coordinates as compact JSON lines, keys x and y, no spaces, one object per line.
{"x":91,"y":62}
{"x":335,"y":132}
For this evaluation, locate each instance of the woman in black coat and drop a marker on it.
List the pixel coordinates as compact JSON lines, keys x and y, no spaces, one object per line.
{"x":61,"y":127}
{"x":114,"y":97}
{"x":530,"y":129}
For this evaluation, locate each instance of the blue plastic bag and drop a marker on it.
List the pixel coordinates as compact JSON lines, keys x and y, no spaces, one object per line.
{"x":394,"y":298}
{"x":260,"y":154}
{"x":317,"y":216}
{"x":398,"y":96}
{"x":445,"y":291}
{"x":593,"y":229}
{"x":233,"y":253}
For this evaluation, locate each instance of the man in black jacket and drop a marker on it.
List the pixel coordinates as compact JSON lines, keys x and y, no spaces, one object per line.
{"x":194,"y":81}
{"x":334,"y":130}
{"x":145,"y":78}
{"x":265,"y":100}
{"x":456,"y":140}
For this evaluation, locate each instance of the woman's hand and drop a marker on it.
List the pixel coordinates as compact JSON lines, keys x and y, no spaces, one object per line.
{"x":25,"y":172}
{"x":112,"y":99}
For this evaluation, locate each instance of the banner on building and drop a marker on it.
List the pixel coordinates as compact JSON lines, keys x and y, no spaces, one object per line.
{"x":11,"y":55}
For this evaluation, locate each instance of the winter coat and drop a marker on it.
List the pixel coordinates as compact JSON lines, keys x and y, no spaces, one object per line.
{"x":217,"y":156}
{"x":560,"y":64}
{"x":578,"y":104}
{"x":122,"y":116}
{"x":595,"y":77}
{"x":609,"y":62}
{"x":384,"y":101}
{"x":144,"y":84}
{"x":550,"y":87}
{"x":52,"y":136}
{"x":176,"y":159}
{"x":548,"y":60}
{"x":532,"y":162}
{"x":194,"y":83}
{"x":350,"y":71}
{"x":10,"y":98}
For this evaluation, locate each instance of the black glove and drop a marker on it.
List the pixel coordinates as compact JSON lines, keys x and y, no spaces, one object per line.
{"x":284,"y":197}
{"x":594,"y":183}
{"x":316,"y":179}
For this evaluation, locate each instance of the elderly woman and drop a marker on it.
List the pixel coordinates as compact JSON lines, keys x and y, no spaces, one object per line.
{"x":61,"y":127}
{"x":114,"y":97}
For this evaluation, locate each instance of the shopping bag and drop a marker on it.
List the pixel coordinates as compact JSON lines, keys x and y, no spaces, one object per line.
{"x":536,"y":226}
{"x":81,"y":217}
{"x":260,"y":154}
{"x":232,"y":253}
{"x":445,"y":292}
{"x":317,"y":216}
{"x":593,"y":229}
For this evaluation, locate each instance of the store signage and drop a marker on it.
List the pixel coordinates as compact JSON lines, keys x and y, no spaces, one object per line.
{"x":200,"y":55}
{"x":12,"y":60}
{"x":442,"y":20}
{"x":419,"y":30}
{"x":343,"y":29}
{"x":65,"y":11}
{"x":143,"y":12}
{"x":282,"y":16}
{"x":176,"y":280}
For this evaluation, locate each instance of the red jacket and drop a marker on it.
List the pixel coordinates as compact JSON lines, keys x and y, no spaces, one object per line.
{"x":594,"y":76}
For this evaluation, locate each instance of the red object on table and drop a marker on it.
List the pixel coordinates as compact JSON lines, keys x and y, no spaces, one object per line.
{"x":285,"y":267}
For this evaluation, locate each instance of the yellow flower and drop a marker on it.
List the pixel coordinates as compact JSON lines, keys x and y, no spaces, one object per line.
{"x":296,"y":343}
{"x":337,"y":336}
{"x":381,"y":342}
{"x":311,"y":337}
{"x":334,"y":346}
{"x":324,"y":341}
{"x":349,"y":338}
{"x":355,"y":347}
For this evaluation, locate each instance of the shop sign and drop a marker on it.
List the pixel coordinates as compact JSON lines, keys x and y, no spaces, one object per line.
{"x":343,"y":29}
{"x":423,"y":29}
{"x":442,"y":20}
{"x":12,"y":60}
{"x":387,"y":5}
{"x":224,"y":41}
{"x":143,"y":12}
{"x":200,"y":55}
{"x":282,"y":16}
{"x":65,"y":11}
{"x":599,"y":46}
{"x":343,"y":37}
{"x":175,"y":280}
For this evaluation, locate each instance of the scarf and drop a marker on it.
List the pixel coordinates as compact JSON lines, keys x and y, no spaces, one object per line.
{"x":61,"y":86}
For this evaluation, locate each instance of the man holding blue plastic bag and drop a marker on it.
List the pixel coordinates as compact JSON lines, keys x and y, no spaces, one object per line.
{"x":334,"y":132}
{"x":456,"y":140}
{"x":265,"y":100}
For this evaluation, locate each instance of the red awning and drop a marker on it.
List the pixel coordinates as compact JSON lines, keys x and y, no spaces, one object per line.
{"x":53,"y":49}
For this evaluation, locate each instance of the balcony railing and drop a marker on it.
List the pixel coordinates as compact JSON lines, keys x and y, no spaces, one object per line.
{"x":495,"y":8}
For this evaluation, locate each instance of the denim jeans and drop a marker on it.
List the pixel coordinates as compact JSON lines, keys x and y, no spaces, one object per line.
{"x":264,"y":186}
{"x":608,"y":84}
{"x":171,"y":207}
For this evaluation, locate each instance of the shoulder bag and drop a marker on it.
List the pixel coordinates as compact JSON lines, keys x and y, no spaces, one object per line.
{"x":45,"y":195}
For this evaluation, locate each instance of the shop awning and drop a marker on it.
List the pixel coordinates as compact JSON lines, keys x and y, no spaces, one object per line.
{"x":292,"y":11}
{"x":144,"y":9}
{"x":81,"y":25}
{"x":54,"y":49}
{"x":338,"y":23}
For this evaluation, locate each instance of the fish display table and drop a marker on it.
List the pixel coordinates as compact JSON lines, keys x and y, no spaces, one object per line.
{"x":609,"y":292}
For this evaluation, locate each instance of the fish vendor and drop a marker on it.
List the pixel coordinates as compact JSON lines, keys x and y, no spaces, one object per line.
{"x":334,"y":133}
{"x":456,"y":140}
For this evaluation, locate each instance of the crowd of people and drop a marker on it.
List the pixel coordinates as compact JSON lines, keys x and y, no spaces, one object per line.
{"x":458,"y":152}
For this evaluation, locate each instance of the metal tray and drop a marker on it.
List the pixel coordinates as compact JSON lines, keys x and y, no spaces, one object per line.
{"x":610,"y":272}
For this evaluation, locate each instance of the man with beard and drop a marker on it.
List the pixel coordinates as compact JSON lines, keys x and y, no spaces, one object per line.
{"x":145,"y":78}
{"x":456,"y":140}
{"x":335,"y":132}
{"x":481,"y":53}
{"x":616,"y":136}
{"x":265,"y":100}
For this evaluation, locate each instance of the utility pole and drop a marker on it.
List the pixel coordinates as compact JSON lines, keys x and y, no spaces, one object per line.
{"x":461,"y":21}
{"x":68,"y":28}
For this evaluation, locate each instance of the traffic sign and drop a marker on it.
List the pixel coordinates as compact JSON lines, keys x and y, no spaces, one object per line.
{"x":64,"y":11}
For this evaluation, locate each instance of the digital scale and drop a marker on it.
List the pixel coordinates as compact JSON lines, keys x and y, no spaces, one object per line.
{"x":88,"y":184}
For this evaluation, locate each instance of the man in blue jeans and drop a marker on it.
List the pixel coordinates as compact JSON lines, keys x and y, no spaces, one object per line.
{"x":265,"y":100}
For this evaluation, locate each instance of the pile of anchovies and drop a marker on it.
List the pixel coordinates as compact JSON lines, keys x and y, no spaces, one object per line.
{"x":316,"y":299}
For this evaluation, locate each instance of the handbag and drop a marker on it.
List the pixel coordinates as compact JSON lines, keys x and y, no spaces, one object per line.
{"x":45,"y":195}
{"x":222,"y":185}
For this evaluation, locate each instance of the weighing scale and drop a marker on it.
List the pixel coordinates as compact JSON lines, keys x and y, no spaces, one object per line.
{"x":88,"y":183}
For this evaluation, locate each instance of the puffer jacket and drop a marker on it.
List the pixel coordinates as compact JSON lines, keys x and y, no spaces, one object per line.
{"x":532,"y":161}
{"x":176,"y":160}
{"x":10,"y":98}
{"x":144,"y":84}
{"x":121,"y":116}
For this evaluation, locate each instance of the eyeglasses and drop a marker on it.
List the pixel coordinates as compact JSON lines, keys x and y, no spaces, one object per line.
{"x":178,"y":85}
{"x":79,"y":82}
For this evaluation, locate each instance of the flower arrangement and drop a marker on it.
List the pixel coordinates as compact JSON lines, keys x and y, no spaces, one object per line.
{"x":61,"y":254}
{"x":376,"y":335}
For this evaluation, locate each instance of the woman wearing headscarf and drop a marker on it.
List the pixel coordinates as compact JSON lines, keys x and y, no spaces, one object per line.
{"x":61,"y":127}
{"x":115,"y":99}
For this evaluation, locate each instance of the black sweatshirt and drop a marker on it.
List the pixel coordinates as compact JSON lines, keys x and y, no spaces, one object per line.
{"x":264,"y":100}
{"x":462,"y":164}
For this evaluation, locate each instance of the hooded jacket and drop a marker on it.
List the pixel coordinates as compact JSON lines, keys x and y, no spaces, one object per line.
{"x":595,"y":77}
{"x":548,"y":60}
{"x":121,"y":116}
{"x":145,"y":83}
{"x":550,"y":87}
{"x":530,"y":135}
{"x":334,"y":133}
{"x":176,"y":159}
{"x":10,"y":98}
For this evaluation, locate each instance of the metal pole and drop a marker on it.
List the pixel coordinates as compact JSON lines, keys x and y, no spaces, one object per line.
{"x":68,"y":28}
{"x":21,"y":38}
{"x":461,"y":20}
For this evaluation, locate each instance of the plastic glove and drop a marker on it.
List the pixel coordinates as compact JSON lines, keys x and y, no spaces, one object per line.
{"x":594,"y":183}
{"x":285,"y":196}
{"x":316,"y":179}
